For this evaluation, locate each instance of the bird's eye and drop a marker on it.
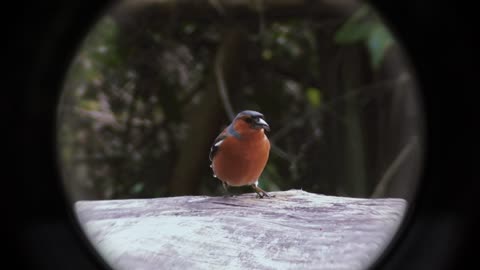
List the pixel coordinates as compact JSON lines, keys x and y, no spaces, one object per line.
{"x":249,"y":120}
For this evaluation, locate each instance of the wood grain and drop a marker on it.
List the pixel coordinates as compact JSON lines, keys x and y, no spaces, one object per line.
{"x":294,"y":230}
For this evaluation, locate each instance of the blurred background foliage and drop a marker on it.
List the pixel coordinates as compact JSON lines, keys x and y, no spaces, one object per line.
{"x":154,"y":83}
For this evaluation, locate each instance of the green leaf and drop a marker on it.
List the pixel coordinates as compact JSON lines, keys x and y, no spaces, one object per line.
{"x":357,"y":28}
{"x":365,"y":26}
{"x":89,"y":105}
{"x":379,"y":41}
{"x":267,"y":54}
{"x":314,"y":96}
{"x":137,"y":188}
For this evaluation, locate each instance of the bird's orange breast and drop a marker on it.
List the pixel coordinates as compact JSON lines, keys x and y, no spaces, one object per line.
{"x":241,"y":161}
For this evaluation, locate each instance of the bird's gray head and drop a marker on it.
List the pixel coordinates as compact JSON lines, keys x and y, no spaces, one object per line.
{"x":254,"y":119}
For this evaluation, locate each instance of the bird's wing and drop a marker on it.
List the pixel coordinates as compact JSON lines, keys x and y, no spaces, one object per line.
{"x":216,"y":144}
{"x":227,"y":132}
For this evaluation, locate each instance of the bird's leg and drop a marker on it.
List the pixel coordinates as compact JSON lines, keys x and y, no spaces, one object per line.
{"x":260,"y":192}
{"x":227,"y":193}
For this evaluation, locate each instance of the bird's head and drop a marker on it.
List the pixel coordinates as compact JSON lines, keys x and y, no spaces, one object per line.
{"x":251,"y":120}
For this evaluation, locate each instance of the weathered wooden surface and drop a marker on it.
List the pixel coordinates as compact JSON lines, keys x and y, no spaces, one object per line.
{"x":294,"y":230}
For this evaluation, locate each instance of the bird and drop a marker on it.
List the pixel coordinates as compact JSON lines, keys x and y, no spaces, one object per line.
{"x":240,"y":153}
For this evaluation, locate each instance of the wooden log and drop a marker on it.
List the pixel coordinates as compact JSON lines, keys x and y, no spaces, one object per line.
{"x":294,"y":230}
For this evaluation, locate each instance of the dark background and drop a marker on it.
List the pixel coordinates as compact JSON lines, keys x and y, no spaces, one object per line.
{"x":41,"y":38}
{"x":142,"y":102}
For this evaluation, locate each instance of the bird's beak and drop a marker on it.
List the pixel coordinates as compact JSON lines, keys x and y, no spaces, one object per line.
{"x":262,"y":124}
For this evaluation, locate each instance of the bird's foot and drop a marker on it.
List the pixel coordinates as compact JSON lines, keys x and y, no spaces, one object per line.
{"x":261,"y":193}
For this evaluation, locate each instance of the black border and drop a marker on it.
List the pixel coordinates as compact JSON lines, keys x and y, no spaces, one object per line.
{"x":42,"y":36}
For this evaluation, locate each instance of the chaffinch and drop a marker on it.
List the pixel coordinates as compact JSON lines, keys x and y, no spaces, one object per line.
{"x":239,"y":154}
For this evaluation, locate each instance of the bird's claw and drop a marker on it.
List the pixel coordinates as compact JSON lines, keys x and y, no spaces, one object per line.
{"x":260,"y":192}
{"x":261,"y":196}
